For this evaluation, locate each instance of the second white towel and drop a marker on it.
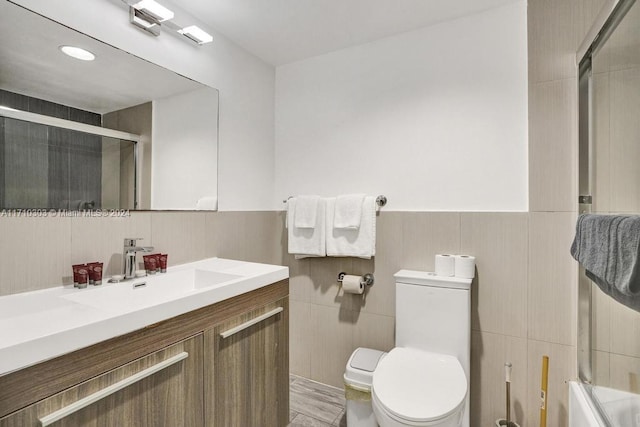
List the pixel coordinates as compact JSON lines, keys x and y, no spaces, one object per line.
{"x":348,"y":213}
{"x":345,"y":242}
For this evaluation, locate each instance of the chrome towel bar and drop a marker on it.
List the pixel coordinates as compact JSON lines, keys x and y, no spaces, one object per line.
{"x":380,"y":200}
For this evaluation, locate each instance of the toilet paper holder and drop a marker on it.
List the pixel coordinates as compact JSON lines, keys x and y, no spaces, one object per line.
{"x":366,"y":279}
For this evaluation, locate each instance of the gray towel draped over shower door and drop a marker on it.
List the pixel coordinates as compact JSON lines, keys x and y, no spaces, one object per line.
{"x":607,"y":247}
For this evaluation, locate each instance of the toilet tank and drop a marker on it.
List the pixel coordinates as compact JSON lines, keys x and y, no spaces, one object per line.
{"x":433,"y":313}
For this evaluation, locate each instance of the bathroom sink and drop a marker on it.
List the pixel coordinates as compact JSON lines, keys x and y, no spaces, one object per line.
{"x":40,"y":325}
{"x":29,"y":304}
{"x":151,"y":290}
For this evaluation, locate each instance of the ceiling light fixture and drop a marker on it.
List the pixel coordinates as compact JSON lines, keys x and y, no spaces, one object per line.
{"x":196,"y":34}
{"x":144,"y":22}
{"x":155,"y":10}
{"x":149,"y":16}
{"x":77,"y":53}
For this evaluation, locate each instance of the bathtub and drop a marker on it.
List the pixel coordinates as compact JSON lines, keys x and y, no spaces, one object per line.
{"x":596,"y":406}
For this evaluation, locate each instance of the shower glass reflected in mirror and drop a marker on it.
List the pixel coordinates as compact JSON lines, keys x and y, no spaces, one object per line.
{"x":46,"y":167}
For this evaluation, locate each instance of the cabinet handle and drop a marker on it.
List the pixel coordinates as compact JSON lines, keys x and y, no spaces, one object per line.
{"x":251,"y":322}
{"x":92,"y":398}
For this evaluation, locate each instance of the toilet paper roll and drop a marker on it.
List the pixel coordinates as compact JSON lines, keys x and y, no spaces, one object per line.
{"x":445,"y":265}
{"x":352,"y":284}
{"x":465,"y":266}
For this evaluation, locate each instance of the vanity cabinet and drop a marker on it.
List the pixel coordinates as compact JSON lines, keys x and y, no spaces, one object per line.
{"x":223,"y":365}
{"x":246,"y":369}
{"x":161,"y":389}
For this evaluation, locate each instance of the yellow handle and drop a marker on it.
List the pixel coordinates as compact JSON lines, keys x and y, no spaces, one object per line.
{"x":543,"y":391}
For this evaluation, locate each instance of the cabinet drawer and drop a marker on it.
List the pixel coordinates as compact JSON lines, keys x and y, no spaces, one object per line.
{"x":161,"y":389}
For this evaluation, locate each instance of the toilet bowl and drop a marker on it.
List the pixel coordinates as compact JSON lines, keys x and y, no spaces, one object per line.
{"x":424,"y":380}
{"x":413,"y":387}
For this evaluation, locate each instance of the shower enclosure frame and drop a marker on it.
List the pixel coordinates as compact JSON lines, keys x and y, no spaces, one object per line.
{"x":610,"y":16}
{"x":56,"y":122}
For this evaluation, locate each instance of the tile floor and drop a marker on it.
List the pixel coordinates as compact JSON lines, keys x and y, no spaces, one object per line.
{"x":315,"y":405}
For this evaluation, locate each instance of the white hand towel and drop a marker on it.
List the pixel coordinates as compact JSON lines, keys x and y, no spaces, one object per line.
{"x":306,"y":211}
{"x":348,"y":212}
{"x":359,"y":243}
{"x":306,"y":241}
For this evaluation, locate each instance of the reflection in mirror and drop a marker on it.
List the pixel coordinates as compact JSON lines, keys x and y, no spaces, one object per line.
{"x":49,"y":167}
{"x":170,"y":164}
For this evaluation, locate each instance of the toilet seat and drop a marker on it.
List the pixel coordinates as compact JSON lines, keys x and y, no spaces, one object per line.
{"x":418,"y":387}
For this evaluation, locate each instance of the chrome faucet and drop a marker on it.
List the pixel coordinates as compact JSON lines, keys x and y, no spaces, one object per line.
{"x":129,"y":255}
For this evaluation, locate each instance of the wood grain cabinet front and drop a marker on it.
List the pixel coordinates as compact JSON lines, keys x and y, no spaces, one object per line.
{"x":223,"y":365}
{"x":246,"y":368}
{"x":163,"y":388}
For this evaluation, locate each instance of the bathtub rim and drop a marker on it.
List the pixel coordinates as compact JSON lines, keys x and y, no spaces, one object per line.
{"x":581,"y":403}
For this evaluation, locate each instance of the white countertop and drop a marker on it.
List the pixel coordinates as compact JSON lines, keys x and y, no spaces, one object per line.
{"x":40,"y":325}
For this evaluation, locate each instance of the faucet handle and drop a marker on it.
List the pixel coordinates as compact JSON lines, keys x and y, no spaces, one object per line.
{"x":131,"y":241}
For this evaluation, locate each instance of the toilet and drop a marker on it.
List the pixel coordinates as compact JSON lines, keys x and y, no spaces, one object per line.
{"x":424,"y":380}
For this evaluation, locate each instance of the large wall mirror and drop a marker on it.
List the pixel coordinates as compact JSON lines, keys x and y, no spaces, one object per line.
{"x":117,"y":132}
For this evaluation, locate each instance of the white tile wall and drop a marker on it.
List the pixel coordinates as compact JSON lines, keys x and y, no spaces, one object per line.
{"x":35,"y":253}
{"x":552,"y":296}
{"x":489,"y":353}
{"x":499,"y":296}
{"x":553,"y":145}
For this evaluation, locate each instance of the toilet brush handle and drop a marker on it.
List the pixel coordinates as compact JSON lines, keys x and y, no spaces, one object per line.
{"x":507,"y":375}
{"x":508,"y":404}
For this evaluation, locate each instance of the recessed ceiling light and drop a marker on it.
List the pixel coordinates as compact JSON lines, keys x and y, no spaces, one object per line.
{"x":196,"y":34}
{"x":78,"y":53}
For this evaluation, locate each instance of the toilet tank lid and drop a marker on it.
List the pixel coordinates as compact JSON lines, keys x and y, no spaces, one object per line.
{"x":424,"y":278}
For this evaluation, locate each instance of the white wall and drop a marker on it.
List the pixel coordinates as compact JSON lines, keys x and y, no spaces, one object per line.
{"x":184,"y":151}
{"x":246,"y":85}
{"x":435,"y":119}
